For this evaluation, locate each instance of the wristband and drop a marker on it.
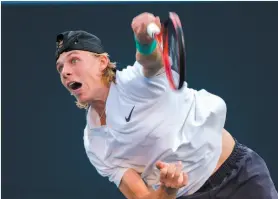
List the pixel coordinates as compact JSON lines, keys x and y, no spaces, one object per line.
{"x":145,"y":49}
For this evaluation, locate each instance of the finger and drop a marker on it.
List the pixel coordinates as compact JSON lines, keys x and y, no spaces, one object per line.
{"x":180,"y":180}
{"x":157,"y":21}
{"x":171,"y":172}
{"x":163,"y":173}
{"x":150,"y":17}
{"x":139,"y":30}
{"x":135,"y":27}
{"x":133,"y":24}
{"x":178,"y":172}
{"x":185,"y":179}
{"x":160,"y":165}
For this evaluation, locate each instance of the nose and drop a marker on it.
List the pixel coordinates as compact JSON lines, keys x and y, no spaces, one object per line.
{"x":66,"y":72}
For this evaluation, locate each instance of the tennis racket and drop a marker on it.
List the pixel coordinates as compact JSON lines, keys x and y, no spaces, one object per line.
{"x":171,"y":44}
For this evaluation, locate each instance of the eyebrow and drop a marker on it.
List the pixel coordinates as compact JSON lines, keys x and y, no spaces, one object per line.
{"x":71,"y":53}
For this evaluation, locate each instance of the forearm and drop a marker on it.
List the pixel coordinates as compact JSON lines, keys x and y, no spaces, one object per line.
{"x":161,"y":193}
{"x":151,"y":63}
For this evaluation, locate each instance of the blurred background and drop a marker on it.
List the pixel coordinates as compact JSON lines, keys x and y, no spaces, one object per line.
{"x":231,"y":52}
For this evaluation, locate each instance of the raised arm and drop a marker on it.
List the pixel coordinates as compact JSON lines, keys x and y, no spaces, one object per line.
{"x":147,"y":53}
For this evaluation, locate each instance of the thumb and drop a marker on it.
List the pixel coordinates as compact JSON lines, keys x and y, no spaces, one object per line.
{"x":160,"y":165}
{"x":157,"y":21}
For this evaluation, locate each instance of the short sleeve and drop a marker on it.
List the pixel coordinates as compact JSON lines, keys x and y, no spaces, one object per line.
{"x":114,"y":173}
{"x":131,"y":80}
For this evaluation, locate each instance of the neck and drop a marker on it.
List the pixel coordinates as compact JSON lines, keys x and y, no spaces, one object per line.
{"x":100,"y":102}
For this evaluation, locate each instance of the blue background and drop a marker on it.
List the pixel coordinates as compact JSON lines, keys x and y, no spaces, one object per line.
{"x":231,"y":51}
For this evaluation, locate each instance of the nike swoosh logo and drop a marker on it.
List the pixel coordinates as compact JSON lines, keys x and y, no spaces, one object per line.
{"x":128,"y":119}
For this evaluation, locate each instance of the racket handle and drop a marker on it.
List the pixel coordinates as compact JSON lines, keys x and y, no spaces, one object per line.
{"x":152,"y":30}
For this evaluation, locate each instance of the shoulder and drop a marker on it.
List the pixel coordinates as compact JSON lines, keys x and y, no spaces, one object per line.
{"x":212,"y":102}
{"x":131,"y":81}
{"x":136,"y":71}
{"x":129,"y":72}
{"x":95,"y":151}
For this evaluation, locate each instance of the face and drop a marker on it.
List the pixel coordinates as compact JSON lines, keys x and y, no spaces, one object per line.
{"x":81,"y":73}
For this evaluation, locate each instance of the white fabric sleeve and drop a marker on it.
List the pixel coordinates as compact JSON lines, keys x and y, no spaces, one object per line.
{"x":131,"y":80}
{"x":114,"y":174}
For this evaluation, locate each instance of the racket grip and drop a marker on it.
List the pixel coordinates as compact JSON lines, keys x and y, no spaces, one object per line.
{"x":152,"y":30}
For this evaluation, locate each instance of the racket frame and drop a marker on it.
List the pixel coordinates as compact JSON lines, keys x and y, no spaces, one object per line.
{"x":162,"y":40}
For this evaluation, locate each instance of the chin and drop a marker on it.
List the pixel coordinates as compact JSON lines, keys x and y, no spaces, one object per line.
{"x":82,"y":100}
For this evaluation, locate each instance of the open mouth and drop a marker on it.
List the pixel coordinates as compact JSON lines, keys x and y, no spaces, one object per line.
{"x":74,"y":85}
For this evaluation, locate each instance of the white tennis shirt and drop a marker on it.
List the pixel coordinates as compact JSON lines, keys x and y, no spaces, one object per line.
{"x":146,"y":121}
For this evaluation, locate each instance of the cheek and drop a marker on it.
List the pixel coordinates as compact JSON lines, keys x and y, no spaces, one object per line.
{"x":93,"y":78}
{"x":94,"y":73}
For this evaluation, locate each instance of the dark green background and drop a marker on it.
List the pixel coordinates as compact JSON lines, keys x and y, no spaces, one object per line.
{"x":231,"y":51}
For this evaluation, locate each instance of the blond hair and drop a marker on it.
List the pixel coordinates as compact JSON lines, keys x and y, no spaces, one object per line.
{"x":108,"y":76}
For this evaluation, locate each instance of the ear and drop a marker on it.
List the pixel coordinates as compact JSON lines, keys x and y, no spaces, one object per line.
{"x":104,"y":60}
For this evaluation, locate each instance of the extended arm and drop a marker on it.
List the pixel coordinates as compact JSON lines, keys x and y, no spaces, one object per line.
{"x":151,"y":63}
{"x":147,"y":51}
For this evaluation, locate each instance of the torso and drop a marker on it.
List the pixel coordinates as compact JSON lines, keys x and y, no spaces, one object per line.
{"x":228,"y":144}
{"x":185,"y":126}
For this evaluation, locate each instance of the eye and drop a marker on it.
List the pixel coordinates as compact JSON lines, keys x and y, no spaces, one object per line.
{"x":73,"y":60}
{"x":60,"y":68}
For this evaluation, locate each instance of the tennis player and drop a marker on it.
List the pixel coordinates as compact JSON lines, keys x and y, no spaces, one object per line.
{"x":150,"y":141}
